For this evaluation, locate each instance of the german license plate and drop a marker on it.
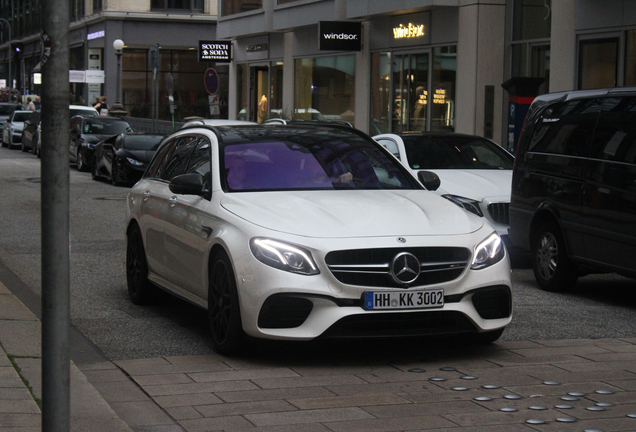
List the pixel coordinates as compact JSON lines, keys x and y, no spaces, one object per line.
{"x":424,"y":299}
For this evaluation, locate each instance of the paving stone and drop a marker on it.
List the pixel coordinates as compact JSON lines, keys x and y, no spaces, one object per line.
{"x":308,"y":416}
{"x":19,"y":406}
{"x":141,"y":413}
{"x":253,"y":374}
{"x":271,"y":383}
{"x":415,"y":410}
{"x":400,"y":387}
{"x":12,"y":420}
{"x":561,"y":350}
{"x":14,"y":393}
{"x":153,"y":380}
{"x":358,"y":370}
{"x":242,"y":408}
{"x":187,"y":400}
{"x":215,"y":424}
{"x":120,"y":391}
{"x":288,"y":393}
{"x":349,"y":401}
{"x":311,"y":427}
{"x":183,"y":413}
{"x":169,"y":368}
{"x":391,"y":424}
{"x":10,"y":378}
{"x":14,"y":310}
{"x":210,"y":387}
{"x":611,"y":363}
{"x":105,"y":375}
{"x":21,"y":338}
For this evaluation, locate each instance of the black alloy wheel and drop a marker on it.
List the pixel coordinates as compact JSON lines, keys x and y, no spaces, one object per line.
{"x":140,"y":289}
{"x":553,"y":269}
{"x":81,"y":166}
{"x":224,"y":312}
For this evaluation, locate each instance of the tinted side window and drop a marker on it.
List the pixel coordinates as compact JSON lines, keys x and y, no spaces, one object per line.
{"x":200,"y":162}
{"x":566,"y":128}
{"x":159,"y":160}
{"x":178,"y":159}
{"x":615,"y":136}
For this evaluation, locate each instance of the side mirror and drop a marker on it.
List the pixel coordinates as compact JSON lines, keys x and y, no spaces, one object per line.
{"x":429,"y":179}
{"x":187,"y":184}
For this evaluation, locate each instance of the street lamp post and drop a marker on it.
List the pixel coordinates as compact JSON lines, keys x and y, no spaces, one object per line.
{"x":118,"y":108}
{"x":10,"y":84}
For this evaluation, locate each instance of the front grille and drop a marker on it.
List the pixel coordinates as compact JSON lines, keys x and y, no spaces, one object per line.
{"x":400,"y":324}
{"x":371,"y":267}
{"x":500,"y":212}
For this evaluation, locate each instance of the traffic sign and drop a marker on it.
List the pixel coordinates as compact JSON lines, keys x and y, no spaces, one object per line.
{"x":211,"y":81}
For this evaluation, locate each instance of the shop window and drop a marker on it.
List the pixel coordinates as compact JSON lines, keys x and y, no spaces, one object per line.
{"x":443,"y":92}
{"x":380,"y":93}
{"x":241,"y":78}
{"x":531,"y":19}
{"x":598,"y":59}
{"x":324,"y":88}
{"x":184,"y":5}
{"x":97,"y":5}
{"x":231,"y":7}
{"x":276,"y":87}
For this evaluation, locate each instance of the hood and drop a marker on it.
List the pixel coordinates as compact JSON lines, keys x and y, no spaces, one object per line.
{"x":475,"y":184}
{"x":140,"y":155}
{"x":338,"y":214}
{"x":94,"y":139}
{"x":17,"y":126}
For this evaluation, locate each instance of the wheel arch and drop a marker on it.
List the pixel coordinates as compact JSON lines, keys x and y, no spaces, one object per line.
{"x":546,"y":212}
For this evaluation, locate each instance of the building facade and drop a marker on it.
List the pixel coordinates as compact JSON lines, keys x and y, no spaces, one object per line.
{"x":467,"y":66}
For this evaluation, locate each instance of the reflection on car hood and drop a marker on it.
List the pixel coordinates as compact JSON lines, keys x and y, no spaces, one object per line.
{"x":475,"y":184}
{"x":94,"y":139}
{"x":337,"y":214}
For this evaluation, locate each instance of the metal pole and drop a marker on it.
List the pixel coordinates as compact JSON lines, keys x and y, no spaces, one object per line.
{"x":10,"y":85}
{"x":56,"y":385}
{"x":118,"y":95}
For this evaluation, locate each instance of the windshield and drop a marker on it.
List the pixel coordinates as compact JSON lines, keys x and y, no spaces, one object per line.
{"x":99,"y":126}
{"x":21,"y":116}
{"x":455,"y":152}
{"x":83,"y":111}
{"x":142,"y":142}
{"x":306,"y":159}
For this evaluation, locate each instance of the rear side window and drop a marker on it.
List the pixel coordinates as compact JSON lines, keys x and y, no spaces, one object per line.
{"x":200,"y":162}
{"x":615,"y":137}
{"x":566,"y":128}
{"x":159,"y":160}
{"x":178,"y":159}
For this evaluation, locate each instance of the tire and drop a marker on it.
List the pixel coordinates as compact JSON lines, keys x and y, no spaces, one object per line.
{"x":22,"y":147}
{"x":114,"y":174}
{"x":140,"y":289}
{"x":553,"y":269}
{"x":224,"y":312}
{"x":81,"y":166}
{"x":35,"y":148}
{"x":94,"y":174}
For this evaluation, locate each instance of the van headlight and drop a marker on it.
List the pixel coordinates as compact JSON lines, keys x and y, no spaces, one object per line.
{"x":488,"y":252}
{"x":283,"y":256}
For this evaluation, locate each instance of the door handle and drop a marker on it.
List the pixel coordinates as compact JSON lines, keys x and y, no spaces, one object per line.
{"x":172,"y":201}
{"x":146,"y":195}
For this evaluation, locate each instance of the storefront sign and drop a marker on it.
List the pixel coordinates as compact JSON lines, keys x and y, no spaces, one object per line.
{"x":256,"y":48}
{"x":96,"y":35}
{"x":94,"y":76}
{"x":340,"y":36}
{"x":215,"y":51}
{"x":76,"y":76}
{"x":408,"y":31}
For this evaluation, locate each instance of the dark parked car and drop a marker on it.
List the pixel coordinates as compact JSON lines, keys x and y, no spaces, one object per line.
{"x":88,"y":131}
{"x":6,"y":109}
{"x":123,"y":158}
{"x":574,"y":186}
{"x":31,"y":133}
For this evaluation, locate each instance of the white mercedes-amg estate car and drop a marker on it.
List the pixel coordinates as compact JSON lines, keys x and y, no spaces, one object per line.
{"x":300,"y":232}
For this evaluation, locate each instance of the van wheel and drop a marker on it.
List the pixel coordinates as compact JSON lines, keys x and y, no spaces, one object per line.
{"x":553,"y":269}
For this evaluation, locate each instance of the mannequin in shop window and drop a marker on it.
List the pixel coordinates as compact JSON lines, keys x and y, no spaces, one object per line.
{"x":419,"y":113}
{"x":262,"y":109}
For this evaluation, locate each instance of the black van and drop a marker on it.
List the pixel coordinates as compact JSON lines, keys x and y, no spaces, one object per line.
{"x":573,"y":198}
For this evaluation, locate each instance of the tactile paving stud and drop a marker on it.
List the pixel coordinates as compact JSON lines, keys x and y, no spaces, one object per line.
{"x":535,"y":421}
{"x":448,"y":369}
{"x":604,"y":404}
{"x":508,"y":409}
{"x":459,"y":388}
{"x":551,"y":383}
{"x":595,"y":408}
{"x":631,"y":415}
{"x":417,"y":370}
{"x":468,"y":377}
{"x":569,"y":398}
{"x":538,"y":408}
{"x":594,"y":430}
{"x":577,"y":394}
{"x":483,"y":398}
{"x":566,"y":419}
{"x":437,"y":379}
{"x":604,"y":392}
{"x":490,"y":386}
{"x":512,"y":397}
{"x":563,"y":406}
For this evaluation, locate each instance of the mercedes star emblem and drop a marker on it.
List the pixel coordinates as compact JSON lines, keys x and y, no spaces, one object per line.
{"x":405,"y":268}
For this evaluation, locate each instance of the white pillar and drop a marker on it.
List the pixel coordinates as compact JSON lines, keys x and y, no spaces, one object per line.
{"x":363,"y":83}
{"x":480,"y":62}
{"x":288,"y":75}
{"x":563,"y":46}
{"x":232,"y":98}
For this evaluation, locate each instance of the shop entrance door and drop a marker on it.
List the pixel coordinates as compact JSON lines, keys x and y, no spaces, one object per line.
{"x":410,"y":92}
{"x":259,"y":84}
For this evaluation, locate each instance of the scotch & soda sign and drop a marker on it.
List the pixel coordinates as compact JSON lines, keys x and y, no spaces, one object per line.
{"x":215,"y":51}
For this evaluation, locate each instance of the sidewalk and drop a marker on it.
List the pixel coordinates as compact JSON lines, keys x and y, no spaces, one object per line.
{"x":534,"y":381}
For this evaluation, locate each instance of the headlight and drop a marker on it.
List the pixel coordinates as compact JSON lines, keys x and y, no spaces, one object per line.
{"x":465,"y":203}
{"x":488,"y":252}
{"x":134,"y":161}
{"x":283,"y":256}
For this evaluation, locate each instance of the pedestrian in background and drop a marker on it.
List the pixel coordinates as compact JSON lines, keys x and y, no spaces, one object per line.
{"x":30,"y":105}
{"x":37,"y":102}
